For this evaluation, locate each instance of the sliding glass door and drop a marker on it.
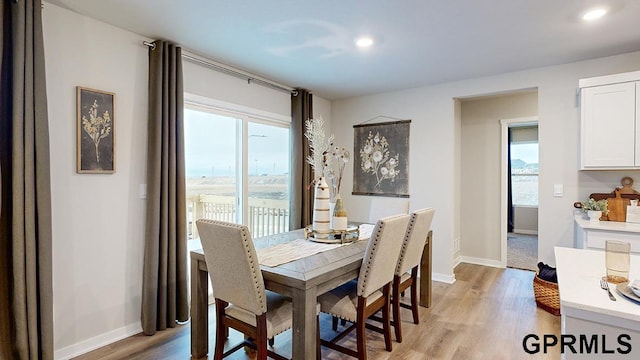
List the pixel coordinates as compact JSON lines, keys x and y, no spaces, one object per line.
{"x":237,"y":167}
{"x":268,"y":178}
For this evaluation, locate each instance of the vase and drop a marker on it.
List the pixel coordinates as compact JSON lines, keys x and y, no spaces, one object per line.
{"x":332,"y":206}
{"x":339,"y":216}
{"x":594,"y":215}
{"x":321,"y":214}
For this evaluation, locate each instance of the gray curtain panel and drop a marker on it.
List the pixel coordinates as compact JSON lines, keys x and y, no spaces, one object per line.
{"x":301,"y":196}
{"x":164,"y":292}
{"x":26,"y":304}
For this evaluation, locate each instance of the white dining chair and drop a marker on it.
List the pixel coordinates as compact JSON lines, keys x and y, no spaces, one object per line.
{"x":241,"y":300}
{"x":407,"y":268}
{"x":356,"y":301}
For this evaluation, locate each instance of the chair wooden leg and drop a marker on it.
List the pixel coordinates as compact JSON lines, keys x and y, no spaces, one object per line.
{"x":386,"y":323}
{"x":334,"y":323}
{"x":221,"y":329}
{"x":414,"y":295}
{"x":361,"y":336}
{"x":395,"y":299}
{"x":261,"y":336}
{"x":272,"y":341}
{"x":318,"y":341}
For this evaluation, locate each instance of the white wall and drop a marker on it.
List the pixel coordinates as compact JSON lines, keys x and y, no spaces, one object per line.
{"x":525,"y":219}
{"x":205,"y":82}
{"x":434,"y":142}
{"x":480,"y":186}
{"x":98,"y":220}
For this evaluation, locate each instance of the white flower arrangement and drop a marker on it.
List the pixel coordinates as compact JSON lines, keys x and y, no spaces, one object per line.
{"x":324,"y":153}
{"x":319,"y":144}
{"x":341,"y":155}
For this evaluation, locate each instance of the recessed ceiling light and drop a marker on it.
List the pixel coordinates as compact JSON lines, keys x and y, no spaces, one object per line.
{"x":364,"y":41}
{"x":594,"y":14}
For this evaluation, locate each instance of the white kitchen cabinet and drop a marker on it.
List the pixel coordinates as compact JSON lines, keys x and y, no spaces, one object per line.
{"x":610,"y":122}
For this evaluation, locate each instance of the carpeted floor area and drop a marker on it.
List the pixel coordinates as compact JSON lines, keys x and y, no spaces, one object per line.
{"x":522,"y":251}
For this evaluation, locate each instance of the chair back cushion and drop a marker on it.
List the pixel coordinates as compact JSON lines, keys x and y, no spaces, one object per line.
{"x":381,"y":256}
{"x":233,"y":264}
{"x":414,"y":239}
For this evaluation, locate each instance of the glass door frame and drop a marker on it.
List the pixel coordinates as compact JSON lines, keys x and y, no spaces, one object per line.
{"x":243,"y":115}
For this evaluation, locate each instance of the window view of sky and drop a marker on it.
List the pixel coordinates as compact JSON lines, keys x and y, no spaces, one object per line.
{"x":268,"y":149}
{"x":211,"y":142}
{"x":524,"y":173}
{"x":525,"y":152}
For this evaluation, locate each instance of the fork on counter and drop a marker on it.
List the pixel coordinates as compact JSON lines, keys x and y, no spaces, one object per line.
{"x":605,"y":286}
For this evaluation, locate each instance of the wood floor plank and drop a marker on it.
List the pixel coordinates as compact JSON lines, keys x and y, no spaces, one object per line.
{"x":484,"y":315}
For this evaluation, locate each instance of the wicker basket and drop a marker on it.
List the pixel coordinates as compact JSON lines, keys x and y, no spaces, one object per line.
{"x":547,"y":296}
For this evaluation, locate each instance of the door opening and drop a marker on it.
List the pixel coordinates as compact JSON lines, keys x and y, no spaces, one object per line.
{"x":519,"y":215}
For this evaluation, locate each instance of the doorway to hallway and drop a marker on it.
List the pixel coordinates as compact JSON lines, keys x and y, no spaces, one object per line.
{"x":521,"y":187}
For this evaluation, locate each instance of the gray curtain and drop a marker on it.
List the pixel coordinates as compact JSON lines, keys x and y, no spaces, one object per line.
{"x":164,"y":293}
{"x":26,"y":304}
{"x":301,"y":197}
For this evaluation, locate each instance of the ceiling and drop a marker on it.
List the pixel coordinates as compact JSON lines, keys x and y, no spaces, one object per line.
{"x":310,"y":44}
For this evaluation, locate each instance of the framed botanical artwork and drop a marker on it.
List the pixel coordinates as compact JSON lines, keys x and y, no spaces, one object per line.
{"x":381,"y":159}
{"x":95,"y":131}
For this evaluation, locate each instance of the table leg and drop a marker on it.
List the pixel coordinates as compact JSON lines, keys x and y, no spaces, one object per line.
{"x":199,"y":311}
{"x":425,"y":272}
{"x":304,"y":324}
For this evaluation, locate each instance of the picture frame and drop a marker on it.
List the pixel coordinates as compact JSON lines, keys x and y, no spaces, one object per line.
{"x":381,"y":159}
{"x":96,"y":142}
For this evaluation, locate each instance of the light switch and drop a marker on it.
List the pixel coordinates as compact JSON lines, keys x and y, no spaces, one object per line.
{"x":558,"y":190}
{"x":143,"y":191}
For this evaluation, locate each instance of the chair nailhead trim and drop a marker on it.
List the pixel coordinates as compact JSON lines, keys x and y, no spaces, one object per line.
{"x":376,"y":239}
{"x":407,"y":237}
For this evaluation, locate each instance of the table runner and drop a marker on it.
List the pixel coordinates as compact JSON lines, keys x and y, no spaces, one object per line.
{"x":301,"y":248}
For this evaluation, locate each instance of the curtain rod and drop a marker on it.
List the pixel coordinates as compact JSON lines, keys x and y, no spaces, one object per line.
{"x":250,"y":78}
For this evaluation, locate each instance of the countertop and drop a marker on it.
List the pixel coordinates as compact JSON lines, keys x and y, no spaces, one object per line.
{"x":579,"y":274}
{"x":584,"y":222}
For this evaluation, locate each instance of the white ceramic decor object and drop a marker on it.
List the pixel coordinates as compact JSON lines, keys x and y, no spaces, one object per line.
{"x":594,"y":215}
{"x":321,"y":213}
{"x":339,"y":215}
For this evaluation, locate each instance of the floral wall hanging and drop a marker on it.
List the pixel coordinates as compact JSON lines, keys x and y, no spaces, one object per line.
{"x":381,"y":159}
{"x":95,"y":131}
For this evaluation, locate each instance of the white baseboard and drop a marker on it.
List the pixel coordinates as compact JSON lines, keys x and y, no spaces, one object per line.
{"x":525,"y":232}
{"x":457,"y":260}
{"x":447,"y":279}
{"x":96,"y":342}
{"x":481,"y":261}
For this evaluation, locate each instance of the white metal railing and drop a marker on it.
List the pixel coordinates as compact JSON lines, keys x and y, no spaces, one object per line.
{"x":266,"y":217}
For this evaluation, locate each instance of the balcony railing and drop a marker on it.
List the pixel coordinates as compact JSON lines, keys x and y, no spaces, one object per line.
{"x":266,"y":217}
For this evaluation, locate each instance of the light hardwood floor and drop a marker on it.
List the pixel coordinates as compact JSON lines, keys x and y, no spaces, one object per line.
{"x":484,"y":315}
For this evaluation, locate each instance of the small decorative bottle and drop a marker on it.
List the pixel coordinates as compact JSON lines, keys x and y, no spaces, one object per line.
{"x":339,"y":215}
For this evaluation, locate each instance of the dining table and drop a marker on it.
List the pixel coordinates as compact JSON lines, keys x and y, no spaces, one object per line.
{"x":303,"y":279}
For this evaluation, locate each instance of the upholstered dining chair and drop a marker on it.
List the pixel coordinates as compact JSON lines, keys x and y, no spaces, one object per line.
{"x":382,"y":207}
{"x":356,"y":301}
{"x":241,"y":301}
{"x":407,"y":268}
